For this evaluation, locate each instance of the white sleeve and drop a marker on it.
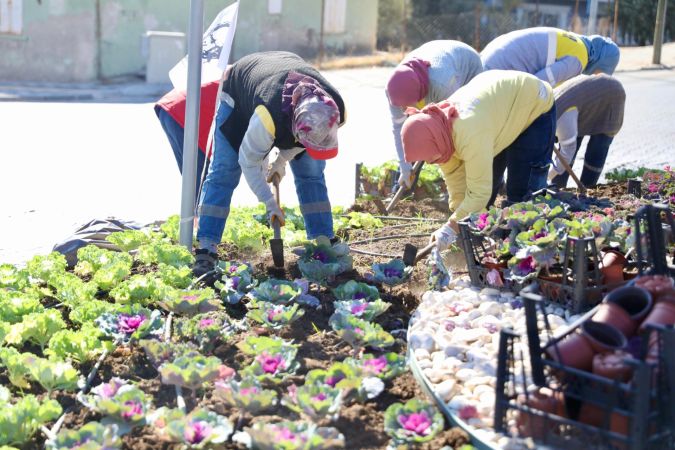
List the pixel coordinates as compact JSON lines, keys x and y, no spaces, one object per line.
{"x":255,"y":147}
{"x":398,"y":117}
{"x":566,"y":131}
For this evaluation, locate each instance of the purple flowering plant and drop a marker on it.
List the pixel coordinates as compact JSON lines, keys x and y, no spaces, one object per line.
{"x":124,"y":403}
{"x":191,"y":302}
{"x":412,"y":423}
{"x":130,"y":324}
{"x":293,"y":436}
{"x":273,"y":367}
{"x":314,"y":402}
{"x":391,"y":273}
{"x":321,"y":261}
{"x":274,"y":316}
{"x":366,"y":310}
{"x":198,"y":429}
{"x":360,"y":333}
{"x":353,"y":290}
{"x":192,"y":370}
{"x":385,"y":366}
{"x":247,"y":395}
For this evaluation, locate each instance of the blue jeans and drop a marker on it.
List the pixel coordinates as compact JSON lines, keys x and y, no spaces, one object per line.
{"x":175,"y":134}
{"x":594,"y":160}
{"x":223,"y":177}
{"x":527,"y":160}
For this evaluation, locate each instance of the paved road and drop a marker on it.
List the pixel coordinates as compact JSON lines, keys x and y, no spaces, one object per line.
{"x":62,"y":164}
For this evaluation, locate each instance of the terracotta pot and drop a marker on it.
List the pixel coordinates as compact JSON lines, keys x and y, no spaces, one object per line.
{"x":619,"y":423}
{"x":634,"y":300}
{"x":551,"y":291}
{"x":545,"y":400}
{"x":615,"y":315}
{"x":574,"y":351}
{"x":667,"y":296}
{"x":593,"y":415}
{"x":613,"y":366}
{"x":663,"y":313}
{"x":611,"y":267}
{"x":602,"y":337}
{"x":655,"y":284}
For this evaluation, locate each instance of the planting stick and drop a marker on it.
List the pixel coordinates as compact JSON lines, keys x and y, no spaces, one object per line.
{"x":167,"y":327}
{"x":48,"y":433}
{"x":386,"y":238}
{"x":569,"y":170}
{"x":180,"y":401}
{"x":93,"y":371}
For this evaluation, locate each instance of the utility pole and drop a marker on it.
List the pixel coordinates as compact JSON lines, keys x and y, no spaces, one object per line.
{"x":592,"y":16}
{"x":616,"y":19}
{"x":659,"y":29}
{"x":323,"y":19}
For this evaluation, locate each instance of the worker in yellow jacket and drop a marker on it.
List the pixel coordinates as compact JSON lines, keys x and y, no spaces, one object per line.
{"x":500,"y":120}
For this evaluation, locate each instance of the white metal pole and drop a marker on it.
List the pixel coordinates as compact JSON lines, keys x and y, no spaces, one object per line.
{"x":592,"y":16}
{"x":659,"y":29}
{"x":187,"y":205}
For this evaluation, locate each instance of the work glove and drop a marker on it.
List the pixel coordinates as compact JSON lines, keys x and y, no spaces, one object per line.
{"x":407,"y":175}
{"x":273,"y":210}
{"x":444,"y":237}
{"x":276,"y":166}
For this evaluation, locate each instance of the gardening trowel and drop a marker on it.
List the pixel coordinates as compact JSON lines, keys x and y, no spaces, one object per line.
{"x":277,"y":244}
{"x":417,"y":168}
{"x":412,"y":256}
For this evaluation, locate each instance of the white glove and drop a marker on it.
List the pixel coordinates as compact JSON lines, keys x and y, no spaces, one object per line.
{"x":407,"y":175}
{"x":277,"y":165}
{"x":273,"y":210}
{"x":444,"y":237}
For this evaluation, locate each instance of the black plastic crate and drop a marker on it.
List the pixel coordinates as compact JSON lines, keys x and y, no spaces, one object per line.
{"x":579,"y":288}
{"x":653,"y":227}
{"x":644,"y":404}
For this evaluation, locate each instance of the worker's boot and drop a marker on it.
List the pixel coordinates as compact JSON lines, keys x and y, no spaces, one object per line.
{"x":205,"y":262}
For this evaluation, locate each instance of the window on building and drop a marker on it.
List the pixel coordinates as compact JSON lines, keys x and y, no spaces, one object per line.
{"x":11,"y":16}
{"x":335,"y":16}
{"x":274,"y":6}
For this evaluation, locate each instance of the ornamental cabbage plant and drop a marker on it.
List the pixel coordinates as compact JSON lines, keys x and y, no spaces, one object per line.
{"x":205,"y":330}
{"x":14,"y":305}
{"x":191,"y":302}
{"x":273,"y":367}
{"x":192,"y":370}
{"x":255,"y":345}
{"x":360,"y":333}
{"x":314,"y":402}
{"x":158,"y":252}
{"x":237,"y":280}
{"x":11,"y":277}
{"x":247,"y":395}
{"x":353,"y":290}
{"x":293,"y":436}
{"x":198,"y":429}
{"x":36,"y":327}
{"x":80,"y":346}
{"x":124,"y":404}
{"x":279,"y":292}
{"x":45,"y":268}
{"x":159,"y":352}
{"x":322,"y":261}
{"x":90,"y":436}
{"x":412,"y":423}
{"x":386,"y":366}
{"x":274,"y":316}
{"x":20,"y":420}
{"x":391,"y":273}
{"x":128,"y":240}
{"x":131,"y":324}
{"x":361,"y":308}
{"x":52,"y":375}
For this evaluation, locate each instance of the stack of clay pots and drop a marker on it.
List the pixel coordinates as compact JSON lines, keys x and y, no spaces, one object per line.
{"x":598,"y":345}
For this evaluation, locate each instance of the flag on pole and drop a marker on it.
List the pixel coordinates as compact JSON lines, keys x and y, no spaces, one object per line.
{"x":216,"y":47}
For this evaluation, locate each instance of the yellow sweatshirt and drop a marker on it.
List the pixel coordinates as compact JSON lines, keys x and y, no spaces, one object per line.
{"x":495,"y":107}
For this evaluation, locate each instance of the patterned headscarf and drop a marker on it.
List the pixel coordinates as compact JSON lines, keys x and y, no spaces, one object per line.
{"x":409,"y":83}
{"x":427,"y":134}
{"x":314,"y":115}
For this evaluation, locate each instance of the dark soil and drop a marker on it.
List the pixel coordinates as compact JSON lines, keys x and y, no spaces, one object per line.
{"x":361,"y":423}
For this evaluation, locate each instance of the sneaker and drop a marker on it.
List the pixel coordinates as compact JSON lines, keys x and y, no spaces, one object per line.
{"x":205,"y":261}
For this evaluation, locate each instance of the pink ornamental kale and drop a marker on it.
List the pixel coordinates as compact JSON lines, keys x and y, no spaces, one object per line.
{"x":526,"y":265}
{"x":482,"y":221}
{"x":248,"y":391}
{"x":334,"y":379}
{"x":108,"y":390}
{"x":128,"y":324}
{"x":197,"y":431}
{"x":271,"y":364}
{"x":284,"y":434}
{"x":418,"y":423}
{"x":205,"y":323}
{"x":320,"y":397}
{"x":132,"y":408}
{"x":375,"y":365}
{"x":653,"y":187}
{"x":468,"y":412}
{"x":358,"y":309}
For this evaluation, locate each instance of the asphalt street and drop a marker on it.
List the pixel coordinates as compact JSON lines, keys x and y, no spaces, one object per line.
{"x":65,"y":163}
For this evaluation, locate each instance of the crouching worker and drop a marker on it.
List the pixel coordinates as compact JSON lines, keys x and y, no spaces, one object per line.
{"x":270,"y":99}
{"x":428,"y":74}
{"x":587,"y":106}
{"x":499,"y":120}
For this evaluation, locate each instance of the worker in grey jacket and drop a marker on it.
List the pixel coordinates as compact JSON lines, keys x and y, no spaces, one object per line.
{"x":428,"y":74}
{"x":270,"y":100}
{"x":587,"y":106}
{"x":551,"y":54}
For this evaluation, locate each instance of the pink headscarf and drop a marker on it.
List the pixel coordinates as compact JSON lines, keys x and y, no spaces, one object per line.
{"x":409,"y":83}
{"x":427,"y":134}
